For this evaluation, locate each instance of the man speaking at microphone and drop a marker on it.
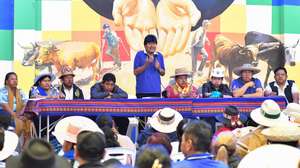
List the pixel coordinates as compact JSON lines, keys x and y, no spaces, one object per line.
{"x":148,"y":67}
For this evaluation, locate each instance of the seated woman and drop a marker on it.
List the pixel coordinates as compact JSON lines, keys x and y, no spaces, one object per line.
{"x":230,"y":119}
{"x":12,"y":103}
{"x":182,"y":88}
{"x":42,"y":87}
{"x":224,"y":147}
{"x":105,"y":121}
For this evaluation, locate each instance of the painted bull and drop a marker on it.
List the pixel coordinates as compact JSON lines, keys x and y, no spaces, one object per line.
{"x":73,"y":54}
{"x":231,"y":54}
{"x":30,"y":54}
{"x":275,"y":57}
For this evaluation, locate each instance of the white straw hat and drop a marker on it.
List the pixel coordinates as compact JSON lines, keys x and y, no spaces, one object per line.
{"x":246,"y":67}
{"x":68,"y":128}
{"x":269,"y":114}
{"x":165,"y":120}
{"x":11,"y":141}
{"x":272,"y":156}
{"x":282,"y":133}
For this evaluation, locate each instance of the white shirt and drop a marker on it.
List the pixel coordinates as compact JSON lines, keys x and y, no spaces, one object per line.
{"x":68,"y":93}
{"x":281,"y":91}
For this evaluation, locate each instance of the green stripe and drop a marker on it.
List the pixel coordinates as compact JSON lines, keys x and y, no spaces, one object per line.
{"x":28,"y":14}
{"x":6,"y":45}
{"x":285,"y":19}
{"x":259,"y":2}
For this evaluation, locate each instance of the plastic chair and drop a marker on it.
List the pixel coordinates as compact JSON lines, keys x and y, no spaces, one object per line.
{"x":133,"y":129}
{"x":125,"y":155}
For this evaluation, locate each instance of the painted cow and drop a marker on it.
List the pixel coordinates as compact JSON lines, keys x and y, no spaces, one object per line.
{"x":31,"y":52}
{"x":74,"y":54}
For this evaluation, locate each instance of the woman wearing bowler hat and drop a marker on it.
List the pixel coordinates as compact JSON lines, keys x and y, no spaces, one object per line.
{"x":230,"y":119}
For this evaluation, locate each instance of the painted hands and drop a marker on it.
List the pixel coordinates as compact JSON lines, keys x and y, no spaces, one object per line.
{"x":172,"y":18}
{"x":174,"y":21}
{"x":138,"y":18}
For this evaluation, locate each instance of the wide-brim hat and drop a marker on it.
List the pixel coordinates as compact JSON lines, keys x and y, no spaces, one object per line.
{"x":10,"y":144}
{"x":240,"y":132}
{"x":66,"y":71}
{"x":282,"y":133}
{"x":246,"y":67}
{"x":274,"y":155}
{"x":38,"y":153}
{"x":181,"y":71}
{"x":40,"y":76}
{"x":165,"y":120}
{"x":269,"y":114}
{"x":62,"y":129}
{"x":293,"y":110}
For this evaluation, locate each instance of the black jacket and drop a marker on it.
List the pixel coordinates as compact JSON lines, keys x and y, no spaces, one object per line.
{"x":77,"y":92}
{"x":92,"y":165}
{"x":287,"y":91}
{"x":208,"y":88}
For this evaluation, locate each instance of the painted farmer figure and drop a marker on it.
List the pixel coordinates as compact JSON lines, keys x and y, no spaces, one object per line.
{"x":198,"y":46}
{"x":68,"y":88}
{"x":246,"y":85}
{"x":112,"y":44}
{"x":283,"y":87}
{"x":148,"y":67}
{"x":182,"y":88}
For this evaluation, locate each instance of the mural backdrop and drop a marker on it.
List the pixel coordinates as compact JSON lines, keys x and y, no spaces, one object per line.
{"x":98,"y":36}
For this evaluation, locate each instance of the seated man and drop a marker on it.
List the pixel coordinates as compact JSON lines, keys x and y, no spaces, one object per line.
{"x":246,"y":85}
{"x":153,"y":156}
{"x":181,"y":88}
{"x":37,"y":153}
{"x":108,"y":89}
{"x":215,"y":88}
{"x":68,"y":88}
{"x":90,"y":149}
{"x":195,"y":145}
{"x":283,"y":87}
{"x":164,"y":121}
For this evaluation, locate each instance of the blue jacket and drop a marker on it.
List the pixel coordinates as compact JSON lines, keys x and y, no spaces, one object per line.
{"x":202,"y":160}
{"x":147,"y":132}
{"x":97,"y":92}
